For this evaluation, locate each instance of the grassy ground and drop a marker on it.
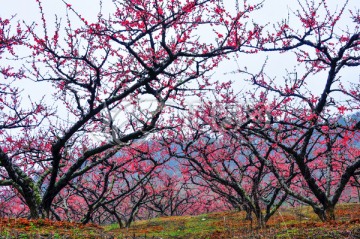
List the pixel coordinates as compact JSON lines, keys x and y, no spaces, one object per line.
{"x":289,"y":223}
{"x":23,"y":228}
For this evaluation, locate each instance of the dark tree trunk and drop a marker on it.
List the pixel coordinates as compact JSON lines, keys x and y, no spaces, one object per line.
{"x":259,"y":218}
{"x":36,"y":209}
{"x":326,"y":214}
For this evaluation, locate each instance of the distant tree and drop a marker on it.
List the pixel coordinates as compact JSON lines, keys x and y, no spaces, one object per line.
{"x":223,"y":161}
{"x":170,"y":195}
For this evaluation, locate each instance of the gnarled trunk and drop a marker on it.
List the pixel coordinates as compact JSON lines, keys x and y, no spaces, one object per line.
{"x":33,"y":200}
{"x":259,"y":218}
{"x":326,"y":214}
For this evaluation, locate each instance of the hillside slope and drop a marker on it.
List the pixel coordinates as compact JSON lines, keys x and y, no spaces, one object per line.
{"x":298,"y":222}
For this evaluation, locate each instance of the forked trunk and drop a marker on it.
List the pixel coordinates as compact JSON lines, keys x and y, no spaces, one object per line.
{"x":260,"y":219}
{"x":327,"y":214}
{"x":330,"y":214}
{"x":35,"y":207}
{"x":248,"y":216}
{"x":121,"y":225}
{"x":34,"y":213}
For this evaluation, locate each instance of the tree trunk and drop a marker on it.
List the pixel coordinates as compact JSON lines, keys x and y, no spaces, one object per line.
{"x":248,"y":215}
{"x":121,"y":225}
{"x":260,"y":218}
{"x":326,"y":214}
{"x":87,"y":217}
{"x":248,"y":212}
{"x":45,"y":210}
{"x":36,"y":210}
{"x":330,"y":213}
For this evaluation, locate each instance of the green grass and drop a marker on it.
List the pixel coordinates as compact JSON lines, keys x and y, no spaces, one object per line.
{"x":172,"y":227}
{"x":289,"y":222}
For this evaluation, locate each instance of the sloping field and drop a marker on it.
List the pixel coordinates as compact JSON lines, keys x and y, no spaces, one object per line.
{"x":298,"y":222}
